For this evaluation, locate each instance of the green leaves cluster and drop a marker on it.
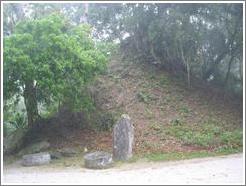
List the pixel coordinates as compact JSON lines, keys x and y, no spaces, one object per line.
{"x":56,"y":57}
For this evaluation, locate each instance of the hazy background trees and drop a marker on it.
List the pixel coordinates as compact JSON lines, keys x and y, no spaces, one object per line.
{"x":201,"y":41}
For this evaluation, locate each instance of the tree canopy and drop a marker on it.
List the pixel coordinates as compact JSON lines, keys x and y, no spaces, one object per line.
{"x":49,"y":60}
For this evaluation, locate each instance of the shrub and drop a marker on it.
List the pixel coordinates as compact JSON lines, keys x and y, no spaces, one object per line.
{"x":104,"y":121}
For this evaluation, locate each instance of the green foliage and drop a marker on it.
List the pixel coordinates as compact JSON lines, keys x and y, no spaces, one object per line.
{"x":14,"y":115}
{"x":53,"y":57}
{"x":8,"y":128}
{"x":107,"y":48}
{"x":164,"y":81}
{"x":176,"y":122}
{"x":202,"y":40}
{"x":209,"y":135}
{"x":49,"y":110}
{"x":232,"y":139}
{"x":184,"y":110}
{"x":156,"y":127}
{"x":19,"y":121}
{"x":144,"y":97}
{"x":15,"y":121}
{"x":183,"y":155}
{"x":177,"y":155}
{"x":104,"y":121}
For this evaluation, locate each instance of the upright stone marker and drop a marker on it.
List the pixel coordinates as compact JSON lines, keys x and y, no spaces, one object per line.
{"x":123,"y":136}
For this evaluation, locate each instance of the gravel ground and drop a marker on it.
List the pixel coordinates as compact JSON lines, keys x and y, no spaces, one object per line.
{"x":217,"y":170}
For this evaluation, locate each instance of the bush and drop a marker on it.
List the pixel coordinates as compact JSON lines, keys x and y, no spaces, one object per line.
{"x":20,"y":121}
{"x":16,"y":121}
{"x":232,"y":139}
{"x":144,"y":97}
{"x":8,"y":128}
{"x":105,"y":121}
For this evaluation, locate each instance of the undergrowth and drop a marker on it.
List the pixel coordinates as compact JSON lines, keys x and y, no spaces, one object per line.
{"x":206,"y":135}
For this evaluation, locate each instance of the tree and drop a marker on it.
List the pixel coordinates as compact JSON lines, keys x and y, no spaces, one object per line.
{"x":200,"y":40}
{"x":47,"y":60}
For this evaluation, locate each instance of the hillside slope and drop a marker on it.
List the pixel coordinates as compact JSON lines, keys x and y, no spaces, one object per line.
{"x":167,"y":116}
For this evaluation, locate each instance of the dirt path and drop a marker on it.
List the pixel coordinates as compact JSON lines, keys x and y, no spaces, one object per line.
{"x":218,"y":170}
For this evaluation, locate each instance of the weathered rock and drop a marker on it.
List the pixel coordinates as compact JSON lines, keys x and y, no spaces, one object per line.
{"x":98,"y":160}
{"x":36,"y":159}
{"x":123,"y":136}
{"x":14,"y":141}
{"x":35,"y":148}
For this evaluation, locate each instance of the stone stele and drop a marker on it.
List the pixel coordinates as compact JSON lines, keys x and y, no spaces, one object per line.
{"x":123,"y":138}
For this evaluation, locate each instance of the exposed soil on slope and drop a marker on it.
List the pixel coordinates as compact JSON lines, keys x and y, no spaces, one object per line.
{"x":155,"y":100}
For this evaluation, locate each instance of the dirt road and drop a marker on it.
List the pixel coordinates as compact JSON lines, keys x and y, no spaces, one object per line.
{"x":216,"y":170}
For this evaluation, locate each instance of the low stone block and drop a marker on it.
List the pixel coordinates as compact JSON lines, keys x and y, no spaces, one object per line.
{"x":98,"y":160}
{"x":36,"y":159}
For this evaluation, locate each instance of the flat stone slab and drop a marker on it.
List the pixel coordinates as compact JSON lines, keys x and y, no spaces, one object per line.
{"x":98,"y":160}
{"x":36,"y":159}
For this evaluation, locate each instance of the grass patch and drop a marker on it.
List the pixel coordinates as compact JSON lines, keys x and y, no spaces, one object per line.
{"x":145,"y":97}
{"x":176,"y":155}
{"x":184,"y":110}
{"x":76,"y":161}
{"x":183,"y":155}
{"x":164,"y":81}
{"x":206,"y":135}
{"x":176,"y":122}
{"x":156,"y":127}
{"x":148,"y":113}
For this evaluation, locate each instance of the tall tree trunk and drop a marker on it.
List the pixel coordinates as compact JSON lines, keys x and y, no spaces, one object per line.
{"x":187,"y":67}
{"x":228,"y":71}
{"x":188,"y":73}
{"x":152,"y":51}
{"x":31,"y":103}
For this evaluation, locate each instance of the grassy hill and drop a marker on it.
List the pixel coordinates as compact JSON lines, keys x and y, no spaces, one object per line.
{"x":171,"y":120}
{"x":168,"y":116}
